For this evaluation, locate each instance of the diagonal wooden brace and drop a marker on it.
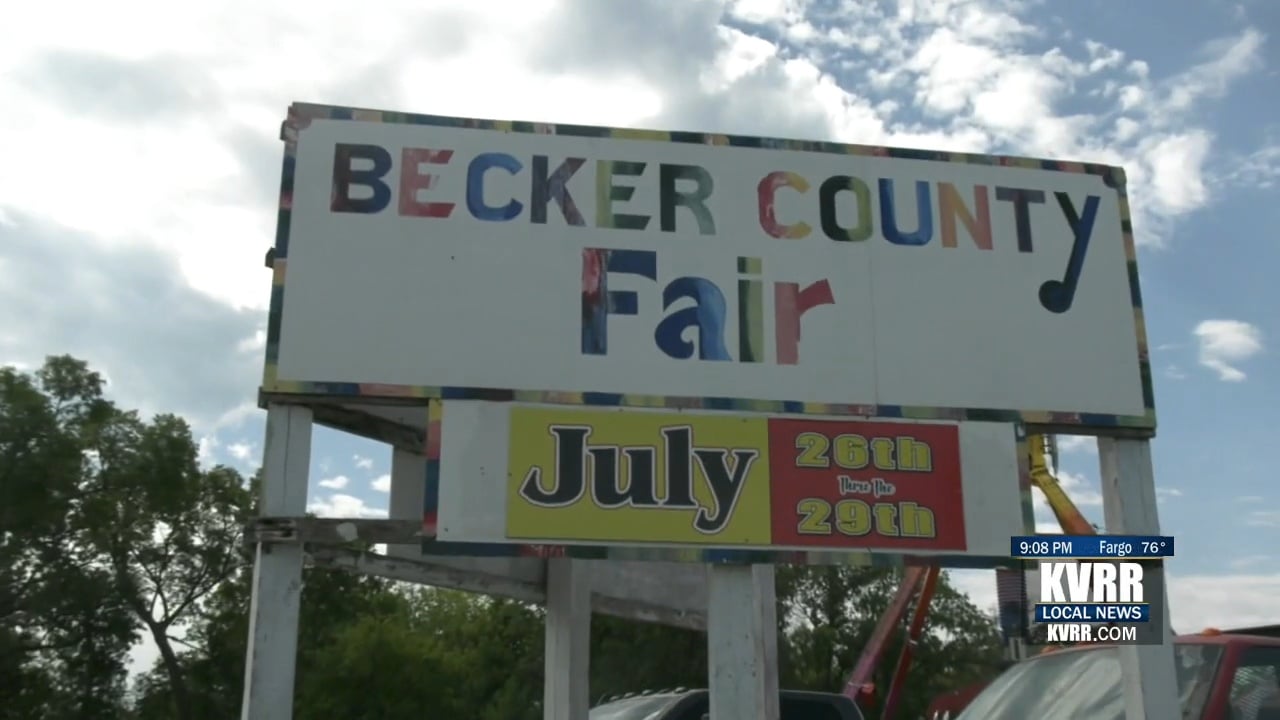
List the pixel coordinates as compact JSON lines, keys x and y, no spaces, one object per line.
{"x":332,"y":531}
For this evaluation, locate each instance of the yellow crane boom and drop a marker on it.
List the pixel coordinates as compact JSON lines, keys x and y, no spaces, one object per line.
{"x":919,"y":582}
{"x":1069,"y":516}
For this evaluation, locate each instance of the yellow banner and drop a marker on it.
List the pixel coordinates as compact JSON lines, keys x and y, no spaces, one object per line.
{"x":637,"y":477}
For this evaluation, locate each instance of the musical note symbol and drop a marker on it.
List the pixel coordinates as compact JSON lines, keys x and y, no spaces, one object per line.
{"x":1057,"y":295}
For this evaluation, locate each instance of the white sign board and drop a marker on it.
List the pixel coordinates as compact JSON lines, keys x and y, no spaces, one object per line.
{"x":425,"y":256}
{"x":502,"y":480}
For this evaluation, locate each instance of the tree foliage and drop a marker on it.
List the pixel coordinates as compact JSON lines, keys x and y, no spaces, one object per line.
{"x":111,"y":532}
{"x":830,"y":612}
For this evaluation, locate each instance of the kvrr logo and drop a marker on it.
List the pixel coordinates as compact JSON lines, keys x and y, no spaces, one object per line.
{"x":1091,"y":582}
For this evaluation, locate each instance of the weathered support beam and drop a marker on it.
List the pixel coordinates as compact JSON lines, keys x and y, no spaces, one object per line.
{"x":277,"y":570}
{"x":333,"y":531}
{"x":742,"y":643}
{"x":371,"y":426}
{"x":663,"y":593}
{"x":407,"y":495}
{"x":1129,"y":506}
{"x":424,"y":573}
{"x":565,"y":693}
{"x":354,"y":420}
{"x":438,"y":574}
{"x":648,"y":612}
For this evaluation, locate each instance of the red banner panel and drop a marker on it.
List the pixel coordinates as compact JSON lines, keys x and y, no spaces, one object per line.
{"x":848,"y":484}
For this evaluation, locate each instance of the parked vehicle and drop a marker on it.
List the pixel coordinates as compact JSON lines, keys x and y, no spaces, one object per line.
{"x":1221,"y":676}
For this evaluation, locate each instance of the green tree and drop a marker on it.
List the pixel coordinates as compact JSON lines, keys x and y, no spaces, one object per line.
{"x":65,"y":635}
{"x":630,"y":656}
{"x":494,"y":644}
{"x":829,"y":613}
{"x":382,"y":665}
{"x":371,"y":649}
{"x":111,"y":529}
{"x":168,"y":530}
{"x":217,"y":641}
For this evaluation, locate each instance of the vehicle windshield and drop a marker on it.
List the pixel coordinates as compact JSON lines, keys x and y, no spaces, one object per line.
{"x":1085,"y":685}
{"x":633,"y":708}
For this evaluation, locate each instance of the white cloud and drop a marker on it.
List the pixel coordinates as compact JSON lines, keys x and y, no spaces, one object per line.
{"x":1226,"y":343}
{"x":1085,"y":494}
{"x":1250,"y":498}
{"x":1082,"y":490}
{"x":767,"y":11}
{"x":1258,"y":170}
{"x":240,"y":451}
{"x":1197,"y":602}
{"x":1229,"y":58}
{"x":1102,"y":57}
{"x":972,"y":68}
{"x":191,"y":85}
{"x":1263,"y":518}
{"x":362,"y":462}
{"x":1077,"y":444}
{"x":1249,"y":561}
{"x":382,"y":483}
{"x":1176,"y":163}
{"x":341,"y":505}
{"x":234,"y":416}
{"x":205,"y":448}
{"x":980,"y":585}
{"x":255,"y":343}
{"x":335,"y":483}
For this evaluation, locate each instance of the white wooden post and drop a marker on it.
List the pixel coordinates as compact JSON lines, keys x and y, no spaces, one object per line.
{"x":408,"y":483}
{"x":1129,"y":507}
{"x":277,"y":569}
{"x":566,"y":693}
{"x":742,"y":642}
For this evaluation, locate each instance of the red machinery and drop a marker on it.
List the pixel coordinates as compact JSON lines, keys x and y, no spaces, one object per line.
{"x":918,"y":585}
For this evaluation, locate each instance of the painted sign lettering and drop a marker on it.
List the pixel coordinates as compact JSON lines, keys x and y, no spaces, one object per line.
{"x":641,"y":477}
{"x":582,"y":475}
{"x":724,"y":471}
{"x":683,"y":270}
{"x":552,"y":186}
{"x":866,"y":484}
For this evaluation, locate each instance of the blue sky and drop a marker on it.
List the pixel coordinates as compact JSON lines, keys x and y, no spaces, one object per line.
{"x":140,"y":142}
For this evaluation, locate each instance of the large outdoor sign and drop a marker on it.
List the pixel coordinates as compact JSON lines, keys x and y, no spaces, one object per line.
{"x":439,"y":257}
{"x":704,"y":479}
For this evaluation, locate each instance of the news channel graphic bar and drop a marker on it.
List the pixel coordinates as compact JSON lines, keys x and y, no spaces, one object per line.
{"x":1091,"y":547}
{"x":1093,"y":613}
{"x":1103,"y":601}
{"x":1112,"y":634}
